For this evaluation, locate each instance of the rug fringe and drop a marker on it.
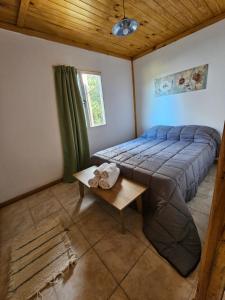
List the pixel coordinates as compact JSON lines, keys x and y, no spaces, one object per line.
{"x":72,"y":260}
{"x":54,"y":280}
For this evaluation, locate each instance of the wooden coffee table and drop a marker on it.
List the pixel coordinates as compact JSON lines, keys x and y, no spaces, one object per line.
{"x":119,"y":196}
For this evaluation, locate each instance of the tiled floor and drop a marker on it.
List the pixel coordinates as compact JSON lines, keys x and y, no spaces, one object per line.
{"x":111,"y":265}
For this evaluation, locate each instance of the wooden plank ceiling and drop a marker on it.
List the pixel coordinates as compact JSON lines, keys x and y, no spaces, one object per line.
{"x":88,"y":23}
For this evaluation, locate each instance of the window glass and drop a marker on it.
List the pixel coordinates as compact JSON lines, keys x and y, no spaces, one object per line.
{"x":93,"y":98}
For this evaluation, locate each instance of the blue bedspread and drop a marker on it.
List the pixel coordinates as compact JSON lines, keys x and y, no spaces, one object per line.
{"x":171,"y":161}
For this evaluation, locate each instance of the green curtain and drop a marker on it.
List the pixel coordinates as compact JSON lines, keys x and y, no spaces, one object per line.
{"x":72,"y":122}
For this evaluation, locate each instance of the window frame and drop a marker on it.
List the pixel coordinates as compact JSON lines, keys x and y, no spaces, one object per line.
{"x":85,"y":100}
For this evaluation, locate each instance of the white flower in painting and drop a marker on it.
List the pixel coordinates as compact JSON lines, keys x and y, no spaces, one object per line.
{"x":165,"y":85}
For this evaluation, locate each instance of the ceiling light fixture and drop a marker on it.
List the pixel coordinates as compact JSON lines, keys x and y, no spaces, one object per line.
{"x":125,"y":26}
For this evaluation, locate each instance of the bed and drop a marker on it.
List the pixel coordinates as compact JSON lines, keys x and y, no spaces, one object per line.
{"x":172,"y":161}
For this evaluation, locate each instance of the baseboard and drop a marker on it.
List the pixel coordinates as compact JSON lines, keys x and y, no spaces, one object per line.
{"x":30,"y":193}
{"x":39,"y":189}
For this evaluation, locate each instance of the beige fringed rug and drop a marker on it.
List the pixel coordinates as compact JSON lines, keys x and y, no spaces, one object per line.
{"x":38,"y":258}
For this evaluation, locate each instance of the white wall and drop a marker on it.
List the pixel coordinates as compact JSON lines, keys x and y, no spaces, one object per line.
{"x":205,"y":107}
{"x":30,"y":151}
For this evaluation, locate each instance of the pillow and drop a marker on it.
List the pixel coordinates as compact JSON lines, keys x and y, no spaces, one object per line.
{"x":174,"y":133}
{"x":157,"y":132}
{"x":188,"y":133}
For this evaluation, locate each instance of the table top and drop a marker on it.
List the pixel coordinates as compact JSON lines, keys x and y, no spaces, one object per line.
{"x":120,"y":195}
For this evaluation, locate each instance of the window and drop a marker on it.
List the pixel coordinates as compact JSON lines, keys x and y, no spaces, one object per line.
{"x":91,"y":90}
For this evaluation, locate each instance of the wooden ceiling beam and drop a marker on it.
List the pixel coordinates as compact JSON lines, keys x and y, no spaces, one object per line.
{"x":24,"y":4}
{"x":181,"y":35}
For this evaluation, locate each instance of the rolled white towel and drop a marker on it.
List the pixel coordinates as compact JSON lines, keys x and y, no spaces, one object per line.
{"x":107,"y":183}
{"x":108,"y":170}
{"x":100,"y":169}
{"x":94,"y":181}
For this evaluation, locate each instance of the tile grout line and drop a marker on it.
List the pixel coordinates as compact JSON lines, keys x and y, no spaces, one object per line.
{"x":145,"y":250}
{"x":118,"y":282}
{"x":114,"y":290}
{"x":148,"y":246}
{"x":32,"y":218}
{"x":137,"y":237}
{"x":106,"y":266}
{"x":124,"y":292}
{"x":131,"y":270}
{"x":92,"y":248}
{"x":29,"y":209}
{"x":93,"y":245}
{"x":63,"y":209}
{"x":51,"y":195}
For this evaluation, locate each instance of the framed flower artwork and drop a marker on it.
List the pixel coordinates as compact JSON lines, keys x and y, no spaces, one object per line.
{"x":188,"y":80}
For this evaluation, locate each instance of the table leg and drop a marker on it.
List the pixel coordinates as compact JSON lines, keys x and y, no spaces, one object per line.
{"x":81,"y":189}
{"x":139,"y":204}
{"x":122,"y":222}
